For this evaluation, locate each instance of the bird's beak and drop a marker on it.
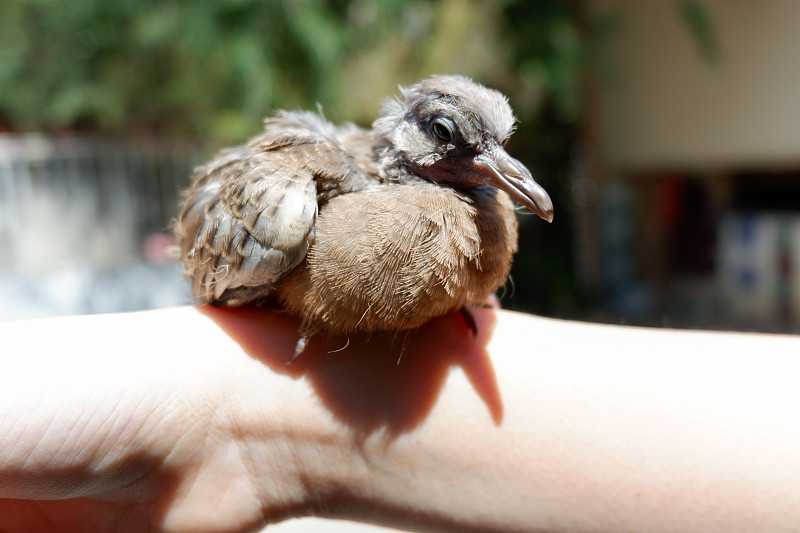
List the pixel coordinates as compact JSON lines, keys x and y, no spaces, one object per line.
{"x":511,"y":176}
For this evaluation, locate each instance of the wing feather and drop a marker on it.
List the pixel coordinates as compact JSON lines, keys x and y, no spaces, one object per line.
{"x":249,"y":217}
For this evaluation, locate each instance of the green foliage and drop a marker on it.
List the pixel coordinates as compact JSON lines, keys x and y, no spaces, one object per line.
{"x":213,"y":70}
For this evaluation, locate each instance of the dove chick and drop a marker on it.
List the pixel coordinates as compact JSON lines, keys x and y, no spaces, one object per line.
{"x":363,"y":230}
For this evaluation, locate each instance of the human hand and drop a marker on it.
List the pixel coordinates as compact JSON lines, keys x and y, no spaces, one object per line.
{"x":153,"y":424}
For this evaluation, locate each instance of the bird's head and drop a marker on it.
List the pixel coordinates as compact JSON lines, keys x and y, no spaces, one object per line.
{"x":451,"y":130}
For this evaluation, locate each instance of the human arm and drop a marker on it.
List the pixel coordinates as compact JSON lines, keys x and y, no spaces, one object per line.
{"x":188,"y":419}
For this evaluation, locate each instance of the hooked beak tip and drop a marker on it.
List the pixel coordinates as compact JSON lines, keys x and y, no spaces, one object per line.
{"x":543,"y":208}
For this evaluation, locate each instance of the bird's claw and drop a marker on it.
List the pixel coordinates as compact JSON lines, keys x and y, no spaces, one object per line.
{"x":469,"y":320}
{"x":302,"y":342}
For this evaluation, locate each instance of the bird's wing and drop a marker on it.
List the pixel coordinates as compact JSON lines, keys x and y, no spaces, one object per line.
{"x":249,"y":218}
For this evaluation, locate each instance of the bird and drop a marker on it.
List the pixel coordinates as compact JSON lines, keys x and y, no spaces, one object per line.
{"x":364,"y":230}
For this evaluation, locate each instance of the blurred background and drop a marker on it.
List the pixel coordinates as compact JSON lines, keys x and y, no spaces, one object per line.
{"x":666,"y":131}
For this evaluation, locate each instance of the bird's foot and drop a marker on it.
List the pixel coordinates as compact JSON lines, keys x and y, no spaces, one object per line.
{"x":469,"y":320}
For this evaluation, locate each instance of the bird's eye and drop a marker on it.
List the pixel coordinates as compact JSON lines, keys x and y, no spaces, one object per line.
{"x":442,"y":129}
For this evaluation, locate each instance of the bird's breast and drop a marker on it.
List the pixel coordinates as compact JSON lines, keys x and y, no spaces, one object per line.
{"x":392,"y":257}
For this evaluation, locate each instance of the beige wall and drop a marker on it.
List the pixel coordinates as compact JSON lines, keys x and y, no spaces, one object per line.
{"x":663,"y":106}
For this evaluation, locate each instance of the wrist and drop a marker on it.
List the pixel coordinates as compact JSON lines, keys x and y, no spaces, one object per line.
{"x":299,"y":460}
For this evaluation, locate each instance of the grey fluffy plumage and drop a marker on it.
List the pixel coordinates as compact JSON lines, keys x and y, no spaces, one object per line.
{"x":363,"y":230}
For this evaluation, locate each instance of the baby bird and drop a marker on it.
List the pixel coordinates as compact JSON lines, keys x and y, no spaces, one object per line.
{"x":364,"y":230}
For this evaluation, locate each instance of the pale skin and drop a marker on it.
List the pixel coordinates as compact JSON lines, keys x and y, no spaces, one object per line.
{"x":188,"y":419}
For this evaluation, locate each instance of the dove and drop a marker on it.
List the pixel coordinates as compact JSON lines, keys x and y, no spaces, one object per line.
{"x":364,"y":230}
